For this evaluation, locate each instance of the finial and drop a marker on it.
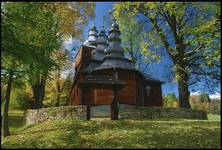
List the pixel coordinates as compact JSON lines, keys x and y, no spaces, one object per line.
{"x":114,"y":20}
{"x":115,"y":25}
{"x":103,"y":22}
{"x":93,"y":26}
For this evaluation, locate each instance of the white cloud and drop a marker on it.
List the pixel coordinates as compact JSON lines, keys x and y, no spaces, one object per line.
{"x":216,"y":95}
{"x":72,"y":43}
{"x":195,"y":93}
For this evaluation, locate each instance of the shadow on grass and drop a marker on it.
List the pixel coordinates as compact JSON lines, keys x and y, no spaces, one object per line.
{"x":39,"y":131}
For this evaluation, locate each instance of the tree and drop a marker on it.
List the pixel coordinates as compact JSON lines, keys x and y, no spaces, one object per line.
{"x":134,"y":42}
{"x":204,"y":97}
{"x":170,"y":100}
{"x":189,"y":32}
{"x":31,"y":32}
{"x":77,"y":13}
{"x":13,"y":54}
{"x":58,"y":82}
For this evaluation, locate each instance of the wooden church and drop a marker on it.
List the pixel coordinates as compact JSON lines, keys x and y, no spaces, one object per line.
{"x":103,"y":76}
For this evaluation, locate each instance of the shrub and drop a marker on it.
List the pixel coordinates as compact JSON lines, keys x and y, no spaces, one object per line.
{"x":170,"y":100}
{"x":19,"y":99}
{"x":215,"y":107}
{"x":195,"y":106}
{"x":50,"y":100}
{"x":204,"y":97}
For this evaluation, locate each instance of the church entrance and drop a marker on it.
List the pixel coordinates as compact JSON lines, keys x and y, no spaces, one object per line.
{"x":101,"y":82}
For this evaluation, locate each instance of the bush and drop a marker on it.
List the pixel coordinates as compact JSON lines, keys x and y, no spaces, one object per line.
{"x":50,"y":100}
{"x":19,"y":99}
{"x":211,"y":107}
{"x":204,"y":97}
{"x":195,"y":106}
{"x":215,"y":107}
{"x":170,"y":100}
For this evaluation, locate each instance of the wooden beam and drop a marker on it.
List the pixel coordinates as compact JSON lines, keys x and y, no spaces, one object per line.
{"x":88,"y":111}
{"x":84,"y":101}
{"x":114,"y":107}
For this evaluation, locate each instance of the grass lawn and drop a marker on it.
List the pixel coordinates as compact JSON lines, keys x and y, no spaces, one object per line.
{"x":212,"y":117}
{"x":104,"y":133}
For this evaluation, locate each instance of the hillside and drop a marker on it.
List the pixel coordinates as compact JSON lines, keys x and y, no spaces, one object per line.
{"x":104,"y":133}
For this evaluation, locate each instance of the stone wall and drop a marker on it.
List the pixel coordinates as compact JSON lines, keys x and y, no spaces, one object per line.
{"x":144,"y":112}
{"x":125,"y":111}
{"x":53,"y":113}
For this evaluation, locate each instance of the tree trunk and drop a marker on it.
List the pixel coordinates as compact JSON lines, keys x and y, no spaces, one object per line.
{"x":39,"y":93}
{"x":182,"y":78}
{"x":7,"y":97}
{"x":184,"y":95}
{"x":57,"y":103}
{"x":114,"y":107}
{"x":58,"y":92}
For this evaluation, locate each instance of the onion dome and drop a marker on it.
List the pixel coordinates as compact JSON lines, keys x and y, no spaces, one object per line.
{"x":114,"y":52}
{"x":114,"y":49}
{"x":98,"y":53}
{"x":92,"y":38}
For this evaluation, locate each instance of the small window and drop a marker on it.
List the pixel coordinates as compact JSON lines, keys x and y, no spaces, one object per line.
{"x":148,"y":89}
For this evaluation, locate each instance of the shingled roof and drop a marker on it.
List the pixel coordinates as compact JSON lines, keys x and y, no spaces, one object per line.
{"x":149,"y":77}
{"x":112,"y":57}
{"x":114,"y":52}
{"x":98,"y":53}
{"x":92,"y":38}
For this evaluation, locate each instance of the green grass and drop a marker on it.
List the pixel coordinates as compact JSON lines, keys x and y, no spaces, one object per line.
{"x":104,"y":133}
{"x":16,"y":119}
{"x":213,"y":117}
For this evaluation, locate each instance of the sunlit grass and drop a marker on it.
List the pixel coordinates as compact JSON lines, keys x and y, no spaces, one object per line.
{"x":105,"y":133}
{"x":213,"y":117}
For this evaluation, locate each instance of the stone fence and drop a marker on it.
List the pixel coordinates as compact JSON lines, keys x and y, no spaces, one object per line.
{"x":125,"y":112}
{"x":53,"y":113}
{"x":145,"y":112}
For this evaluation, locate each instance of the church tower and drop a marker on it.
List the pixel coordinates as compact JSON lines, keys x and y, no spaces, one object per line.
{"x":114,"y":52}
{"x":92,"y":38}
{"x":98,"y":54}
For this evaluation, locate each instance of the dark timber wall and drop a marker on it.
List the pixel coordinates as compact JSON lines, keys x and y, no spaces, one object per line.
{"x":134,"y":92}
{"x":155,"y":97}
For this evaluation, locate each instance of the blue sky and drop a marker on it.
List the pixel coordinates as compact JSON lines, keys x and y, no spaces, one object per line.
{"x":156,"y":70}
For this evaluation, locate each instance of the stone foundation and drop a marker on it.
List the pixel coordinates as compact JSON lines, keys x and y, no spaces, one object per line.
{"x":145,"y":112}
{"x":54,"y":113}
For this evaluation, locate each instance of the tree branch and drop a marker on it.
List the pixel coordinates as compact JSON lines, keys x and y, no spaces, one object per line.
{"x":194,"y":51}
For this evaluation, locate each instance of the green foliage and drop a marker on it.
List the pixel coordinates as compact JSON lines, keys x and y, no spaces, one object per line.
{"x":135,"y":40}
{"x":170,"y":100}
{"x":19,"y":99}
{"x":59,"y":82}
{"x":188,"y":31}
{"x":204,"y":97}
{"x":32,"y":32}
{"x":215,"y":107}
{"x":203,"y":102}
